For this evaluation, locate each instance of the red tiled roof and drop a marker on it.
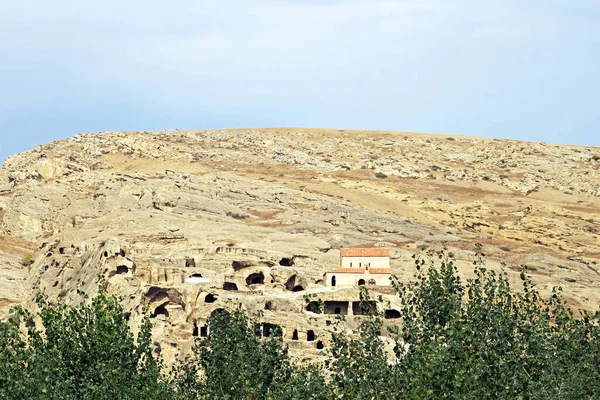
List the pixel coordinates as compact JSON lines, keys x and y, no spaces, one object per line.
{"x":380,"y":271}
{"x":361,"y":271}
{"x":365,"y":252}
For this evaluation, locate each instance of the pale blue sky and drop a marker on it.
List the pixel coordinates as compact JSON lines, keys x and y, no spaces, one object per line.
{"x":510,"y":68}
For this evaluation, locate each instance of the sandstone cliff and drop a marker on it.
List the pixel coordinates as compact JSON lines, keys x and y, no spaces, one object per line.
{"x":191,"y":221}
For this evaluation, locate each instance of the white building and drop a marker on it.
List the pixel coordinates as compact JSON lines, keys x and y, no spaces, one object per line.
{"x":361,"y":266}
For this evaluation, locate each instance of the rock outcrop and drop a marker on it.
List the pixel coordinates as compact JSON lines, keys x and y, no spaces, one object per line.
{"x":188,"y":222}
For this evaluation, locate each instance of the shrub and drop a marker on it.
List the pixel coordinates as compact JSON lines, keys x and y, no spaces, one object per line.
{"x":27,"y":260}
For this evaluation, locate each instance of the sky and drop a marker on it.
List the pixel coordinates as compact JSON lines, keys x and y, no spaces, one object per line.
{"x":519,"y":69}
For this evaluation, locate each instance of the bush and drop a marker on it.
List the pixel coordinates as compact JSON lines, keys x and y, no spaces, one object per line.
{"x":27,"y":260}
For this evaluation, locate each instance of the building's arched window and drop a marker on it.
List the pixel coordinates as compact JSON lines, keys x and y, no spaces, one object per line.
{"x":361,"y":282}
{"x":333,"y":281}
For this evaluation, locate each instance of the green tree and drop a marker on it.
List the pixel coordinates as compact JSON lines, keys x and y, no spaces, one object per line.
{"x":481,"y":339}
{"x":86,"y":351}
{"x":235,"y":362}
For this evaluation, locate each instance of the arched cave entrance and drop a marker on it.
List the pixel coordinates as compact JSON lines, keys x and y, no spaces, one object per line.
{"x":256,"y":279}
{"x":122,"y":269}
{"x":361,"y":282}
{"x":392,"y":314}
{"x":229,"y":286}
{"x":320,"y":345}
{"x":286,"y":262}
{"x":269,"y":330}
{"x":210,"y":298}
{"x":160,"y":310}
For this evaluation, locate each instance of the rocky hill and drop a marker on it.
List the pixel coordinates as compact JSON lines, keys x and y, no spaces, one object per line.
{"x":188,"y":222}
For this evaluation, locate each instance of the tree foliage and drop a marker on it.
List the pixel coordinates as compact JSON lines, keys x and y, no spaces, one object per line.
{"x":86,"y":351}
{"x":475,"y":338}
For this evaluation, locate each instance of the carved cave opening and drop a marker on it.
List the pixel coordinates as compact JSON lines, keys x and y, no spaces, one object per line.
{"x":256,"y":279}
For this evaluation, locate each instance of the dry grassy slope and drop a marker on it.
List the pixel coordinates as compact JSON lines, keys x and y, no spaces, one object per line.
{"x":271,"y":193}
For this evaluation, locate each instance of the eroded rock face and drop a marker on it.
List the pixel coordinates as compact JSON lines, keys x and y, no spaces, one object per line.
{"x":188,"y":222}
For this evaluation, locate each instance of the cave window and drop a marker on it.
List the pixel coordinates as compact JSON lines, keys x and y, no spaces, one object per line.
{"x":229,"y":286}
{"x":297,"y":288}
{"x":361,"y":282}
{"x":310,"y":336}
{"x":195,"y":333}
{"x":204,"y":331}
{"x":190,"y":263}
{"x":269,"y":330}
{"x":392,"y":314}
{"x":160,"y":310}
{"x":106,"y":254}
{"x":122,"y":269}
{"x":268,"y":305}
{"x":286,"y":262}
{"x":295,"y":335}
{"x":320,"y":345}
{"x":210,"y":298}
{"x":237,"y":265}
{"x":61,"y":250}
{"x":255,"y":279}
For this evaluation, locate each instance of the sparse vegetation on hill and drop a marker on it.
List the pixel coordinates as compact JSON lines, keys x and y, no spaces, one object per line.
{"x":469,"y":339}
